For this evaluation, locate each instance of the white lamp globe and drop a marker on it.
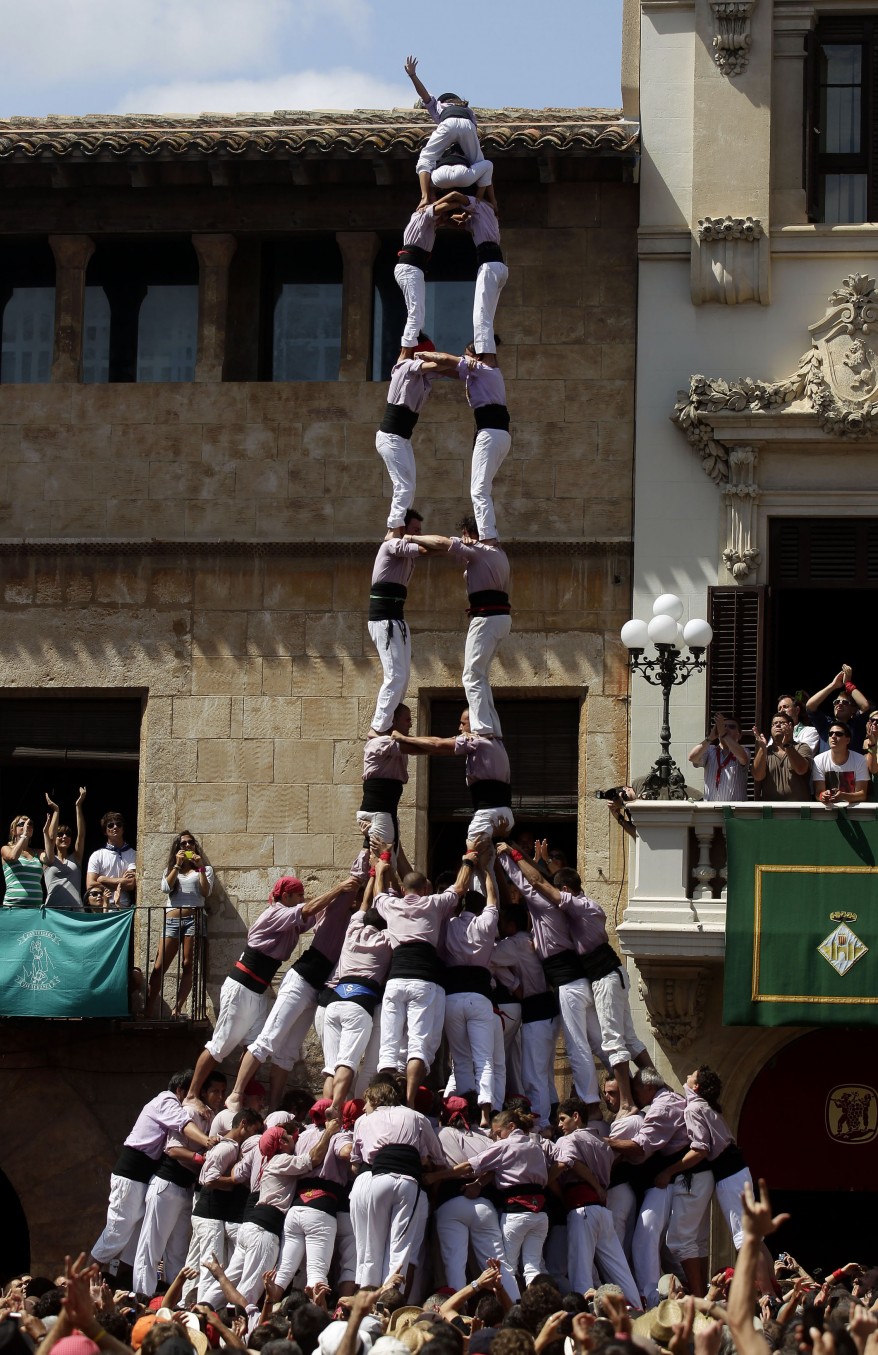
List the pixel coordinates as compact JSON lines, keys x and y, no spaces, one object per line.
{"x":634,"y":635}
{"x":668,"y":605}
{"x":662,"y":630}
{"x":697,"y":633}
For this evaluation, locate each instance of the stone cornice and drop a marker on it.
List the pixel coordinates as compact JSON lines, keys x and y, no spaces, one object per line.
{"x":371,"y":132}
{"x":342,"y":550}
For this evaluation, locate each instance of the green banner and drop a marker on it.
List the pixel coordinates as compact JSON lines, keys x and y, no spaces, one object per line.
{"x":801,"y":920}
{"x":57,"y":964}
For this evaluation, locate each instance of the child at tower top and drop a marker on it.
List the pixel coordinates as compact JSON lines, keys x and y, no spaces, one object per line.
{"x":452,"y":158}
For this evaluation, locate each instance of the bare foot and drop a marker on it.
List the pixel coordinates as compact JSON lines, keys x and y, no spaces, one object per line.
{"x":234,"y":1102}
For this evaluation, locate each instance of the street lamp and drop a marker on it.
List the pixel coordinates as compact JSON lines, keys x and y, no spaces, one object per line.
{"x":666,"y":669}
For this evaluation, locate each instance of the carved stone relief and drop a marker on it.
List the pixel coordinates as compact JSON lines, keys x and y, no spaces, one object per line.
{"x":741,"y":494}
{"x":674,"y":996}
{"x":731,"y":41}
{"x":730,"y":261}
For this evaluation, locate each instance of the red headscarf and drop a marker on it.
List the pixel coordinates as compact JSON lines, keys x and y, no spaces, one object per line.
{"x":286,"y":884}
{"x":351,"y":1112}
{"x":425,"y":346}
{"x":317,"y":1113}
{"x":457,"y":1109}
{"x":270,"y":1143}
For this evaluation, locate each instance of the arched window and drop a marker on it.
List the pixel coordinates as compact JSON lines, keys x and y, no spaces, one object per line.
{"x":27,"y":303}
{"x":141,"y":311}
{"x":451,"y":276}
{"x":303,"y":281}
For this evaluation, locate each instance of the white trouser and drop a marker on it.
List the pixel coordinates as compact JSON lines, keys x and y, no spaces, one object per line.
{"x":509,"y":1021}
{"x":413,"y":285}
{"x":477,"y":175}
{"x":483,"y":639}
{"x":469,"y":1026}
{"x":523,"y":1236}
{"x":393,"y":641}
{"x":622,"y":1204}
{"x":256,"y":1251}
{"x":728,"y":1197}
{"x":486,"y":822}
{"x":538,"y":1042}
{"x":460,"y":1222}
{"x":389,"y":1218}
{"x":398,"y":456}
{"x":591,"y":1237}
{"x":124,"y":1213}
{"x":288,"y":1022}
{"x":619,"y":1042}
{"x":347,"y":1030}
{"x":345,"y":1249}
{"x":490,"y":450}
{"x":241,"y":1016}
{"x":581,"y":1035}
{"x":378,"y":824}
{"x":208,"y":1237}
{"x":308,"y":1234}
{"x":490,"y":281}
{"x":655,"y":1210}
{"x":412,"y":1012}
{"x":164,"y":1232}
{"x":688,"y":1231}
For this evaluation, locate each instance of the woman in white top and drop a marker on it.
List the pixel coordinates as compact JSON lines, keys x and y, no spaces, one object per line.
{"x":187,"y":881}
{"x":62,"y":859}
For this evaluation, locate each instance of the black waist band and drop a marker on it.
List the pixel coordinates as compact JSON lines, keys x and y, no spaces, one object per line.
{"x":457,"y":111}
{"x":492,"y":416}
{"x":489,"y":602}
{"x":314,"y":967}
{"x":134,"y":1164}
{"x":316,"y":1193}
{"x":233,"y":1202}
{"x":528,"y":1198}
{"x":381,"y":795}
{"x":398,"y":419}
{"x":169,"y":1169}
{"x":397,"y":1159}
{"x":489,"y":252}
{"x":729,"y":1163}
{"x":414,"y":255}
{"x":491,"y":794}
{"x":539,"y":1007}
{"x":364,"y":1000}
{"x":415,"y":960}
{"x":453,"y":155}
{"x":655,"y":1165}
{"x":387,"y":601}
{"x":565,"y":967}
{"x":267,"y":1217}
{"x":211,"y":1204}
{"x":467,"y":978}
{"x":254,"y":970}
{"x":600,"y":962}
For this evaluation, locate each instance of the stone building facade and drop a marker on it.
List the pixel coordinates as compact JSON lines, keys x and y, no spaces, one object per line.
{"x":204,"y":546}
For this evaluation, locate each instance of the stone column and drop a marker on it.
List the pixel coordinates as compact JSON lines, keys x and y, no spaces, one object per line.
{"x":358,"y":250}
{"x":792,"y":25}
{"x":72,"y":253}
{"x":214,"y":256}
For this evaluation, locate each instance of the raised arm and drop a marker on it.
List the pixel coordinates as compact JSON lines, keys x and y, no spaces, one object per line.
{"x":50,"y":828}
{"x":424,"y":744}
{"x":432,"y":545}
{"x":79,"y":849}
{"x":446,"y":364}
{"x":816,"y":701}
{"x":760,"y":768}
{"x":737,"y":750}
{"x":315,"y":906}
{"x":530,"y":873}
{"x":411,"y":70}
{"x":696,"y":754}
{"x":853,"y":690}
{"x":758,"y":1224}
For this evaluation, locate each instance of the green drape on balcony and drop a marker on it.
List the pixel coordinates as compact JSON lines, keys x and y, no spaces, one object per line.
{"x":58,"y":964}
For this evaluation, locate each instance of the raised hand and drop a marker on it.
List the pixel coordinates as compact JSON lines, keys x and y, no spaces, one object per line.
{"x":50,"y":802}
{"x":757,"y":1217}
{"x":411,"y":67}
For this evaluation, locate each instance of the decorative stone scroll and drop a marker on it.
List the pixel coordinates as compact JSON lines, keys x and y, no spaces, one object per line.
{"x":674,"y":996}
{"x":731,"y":42}
{"x":742,"y":496}
{"x":731,"y":261}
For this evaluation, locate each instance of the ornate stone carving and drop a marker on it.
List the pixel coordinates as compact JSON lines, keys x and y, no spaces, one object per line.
{"x":837,"y":380}
{"x":674,"y":996}
{"x":731,"y":261}
{"x":730,"y":228}
{"x":731,"y":42}
{"x":741,"y":495}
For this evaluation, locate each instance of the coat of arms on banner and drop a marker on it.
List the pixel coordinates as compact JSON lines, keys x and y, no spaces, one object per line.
{"x":842,"y":948}
{"x":852,"y":1114}
{"x":38,"y":972}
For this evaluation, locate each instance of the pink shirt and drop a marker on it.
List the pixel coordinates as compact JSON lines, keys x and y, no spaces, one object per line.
{"x":627,"y":1127}
{"x":486,"y":759}
{"x":332,"y":925}
{"x":248,"y":1163}
{"x":663,"y":1127}
{"x":469,"y":940}
{"x":416,"y":917}
{"x":421,"y":229}
{"x":159,"y":1117}
{"x":395,"y":561}
{"x":586,"y":919}
{"x":365,"y":954}
{"x":459,"y":1145}
{"x":391,"y":1126}
{"x":219,"y":1161}
{"x":582,"y":1146}
{"x":410,"y":385}
{"x":708,"y":1131}
{"x":516,"y":1160}
{"x":483,"y":222}
{"x":278,"y":1184}
{"x":486,"y":566}
{"x":277,"y":930}
{"x":517,"y":954}
{"x":382,"y":756}
{"x":484,"y":385}
{"x":551,"y":932}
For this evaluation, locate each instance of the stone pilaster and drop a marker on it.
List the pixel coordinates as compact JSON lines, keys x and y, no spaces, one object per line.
{"x":72,"y":253}
{"x":214,"y":256}
{"x":358,"y":250}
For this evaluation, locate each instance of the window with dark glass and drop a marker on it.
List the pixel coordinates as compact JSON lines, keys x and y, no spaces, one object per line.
{"x":842,"y":135}
{"x":451,"y":275}
{"x":141,"y":311}
{"x":27,"y":306}
{"x":302,"y":282}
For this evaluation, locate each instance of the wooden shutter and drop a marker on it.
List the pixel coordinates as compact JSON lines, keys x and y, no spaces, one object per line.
{"x":735,"y":658}
{"x":823,"y":553}
{"x":70,"y":728}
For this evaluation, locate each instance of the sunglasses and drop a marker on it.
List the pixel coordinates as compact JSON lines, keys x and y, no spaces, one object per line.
{"x":187,"y":842}
{"x":115,"y":823}
{"x":838,"y":734}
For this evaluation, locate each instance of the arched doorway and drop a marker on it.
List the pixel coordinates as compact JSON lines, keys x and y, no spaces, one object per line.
{"x":14,"y":1235}
{"x":809,"y":1126}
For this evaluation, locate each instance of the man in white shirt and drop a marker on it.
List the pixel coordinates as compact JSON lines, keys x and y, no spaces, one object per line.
{"x":113,"y":864}
{"x":840,"y":776}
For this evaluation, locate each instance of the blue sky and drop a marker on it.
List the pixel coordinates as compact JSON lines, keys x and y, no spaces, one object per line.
{"x":159,"y":56}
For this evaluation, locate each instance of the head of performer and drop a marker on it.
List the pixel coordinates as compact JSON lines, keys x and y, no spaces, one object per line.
{"x":452,"y":99}
{"x":487,"y":359}
{"x":412,"y":522}
{"x":317,"y":1112}
{"x":402,"y":720}
{"x":213,"y":1091}
{"x":472,"y":902}
{"x":424,"y":345}
{"x":416,"y":883}
{"x":372,"y":918}
{"x":513,"y":919}
{"x":505,"y":1122}
{"x":646,"y":1085}
{"x":468,"y":529}
{"x":244,"y":1125}
{"x":181,"y":1082}
{"x":255,"y":1096}
{"x":460,"y":1111}
{"x":351,"y":1112}
{"x":612,"y":1095}
{"x":572,"y":1114}
{"x":568,"y":880}
{"x":707,"y":1084}
{"x":381,"y":1095}
{"x":288,"y":890}
{"x":464,"y":726}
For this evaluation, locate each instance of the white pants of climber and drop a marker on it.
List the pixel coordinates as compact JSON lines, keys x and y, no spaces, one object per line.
{"x":378,"y":824}
{"x":345,"y":1249}
{"x":118,"y":1241}
{"x":242,"y":1014}
{"x":689,"y":1225}
{"x":655,"y":1210}
{"x":164,"y":1232}
{"x":389,"y":1222}
{"x":509,"y":1022}
{"x":538,"y":1042}
{"x":486,"y":822}
{"x":398,"y":456}
{"x":591,"y":1238}
{"x":309,"y":1234}
{"x":469,"y":1026}
{"x":490,"y":450}
{"x":208,"y":1237}
{"x":288,"y":1022}
{"x":461,"y":1222}
{"x":483,"y":638}
{"x":412,"y":1013}
{"x":413,"y":285}
{"x":393,"y":641}
{"x":490,"y":281}
{"x":619,"y":1042}
{"x":523,"y":1238}
{"x":581,"y":1035}
{"x":256,"y":1251}
{"x":347,"y":1030}
{"x":462,"y":177}
{"x":622,"y":1204}
{"x":728,"y":1198}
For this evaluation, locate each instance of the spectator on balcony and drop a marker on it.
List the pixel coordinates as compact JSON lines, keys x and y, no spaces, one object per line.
{"x":187,"y":881}
{"x":62,"y":862}
{"x":840,"y":776}
{"x":850,"y":707}
{"x":22,"y":868}
{"x":113,"y":864}
{"x":781,"y":768}
{"x":803,"y":732}
{"x":724,"y":760}
{"x":870,"y":752}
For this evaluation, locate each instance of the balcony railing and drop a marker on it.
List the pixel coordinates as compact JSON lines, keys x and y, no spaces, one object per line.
{"x":149,"y":933}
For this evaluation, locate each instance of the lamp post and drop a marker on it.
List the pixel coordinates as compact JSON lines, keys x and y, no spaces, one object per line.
{"x":666,"y":669}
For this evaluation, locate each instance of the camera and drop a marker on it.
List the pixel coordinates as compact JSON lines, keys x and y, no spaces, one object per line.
{"x":614,"y":793}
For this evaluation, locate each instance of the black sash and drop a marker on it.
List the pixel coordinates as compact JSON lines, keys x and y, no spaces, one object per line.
{"x":254,"y":970}
{"x":415,"y":960}
{"x":314,"y":967}
{"x":491,"y":416}
{"x":489,"y":602}
{"x":501,"y":995}
{"x":134,"y":1165}
{"x":623,"y":1173}
{"x":655,"y":1165}
{"x":210,"y":1204}
{"x":398,"y":419}
{"x":449,"y":1190}
{"x":234,"y":1202}
{"x":329,"y":995}
{"x":489,"y":252}
{"x":387,"y":601}
{"x":565,"y":967}
{"x":267,"y":1217}
{"x":381,"y":794}
{"x":467,"y":978}
{"x":539,"y":1007}
{"x":729,"y":1163}
{"x":491,"y":794}
{"x":600,"y":962}
{"x":316,"y":1193}
{"x":457,"y":111}
{"x":417,"y":257}
{"x":169,"y":1169}
{"x":528,"y":1198}
{"x":397,"y":1159}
